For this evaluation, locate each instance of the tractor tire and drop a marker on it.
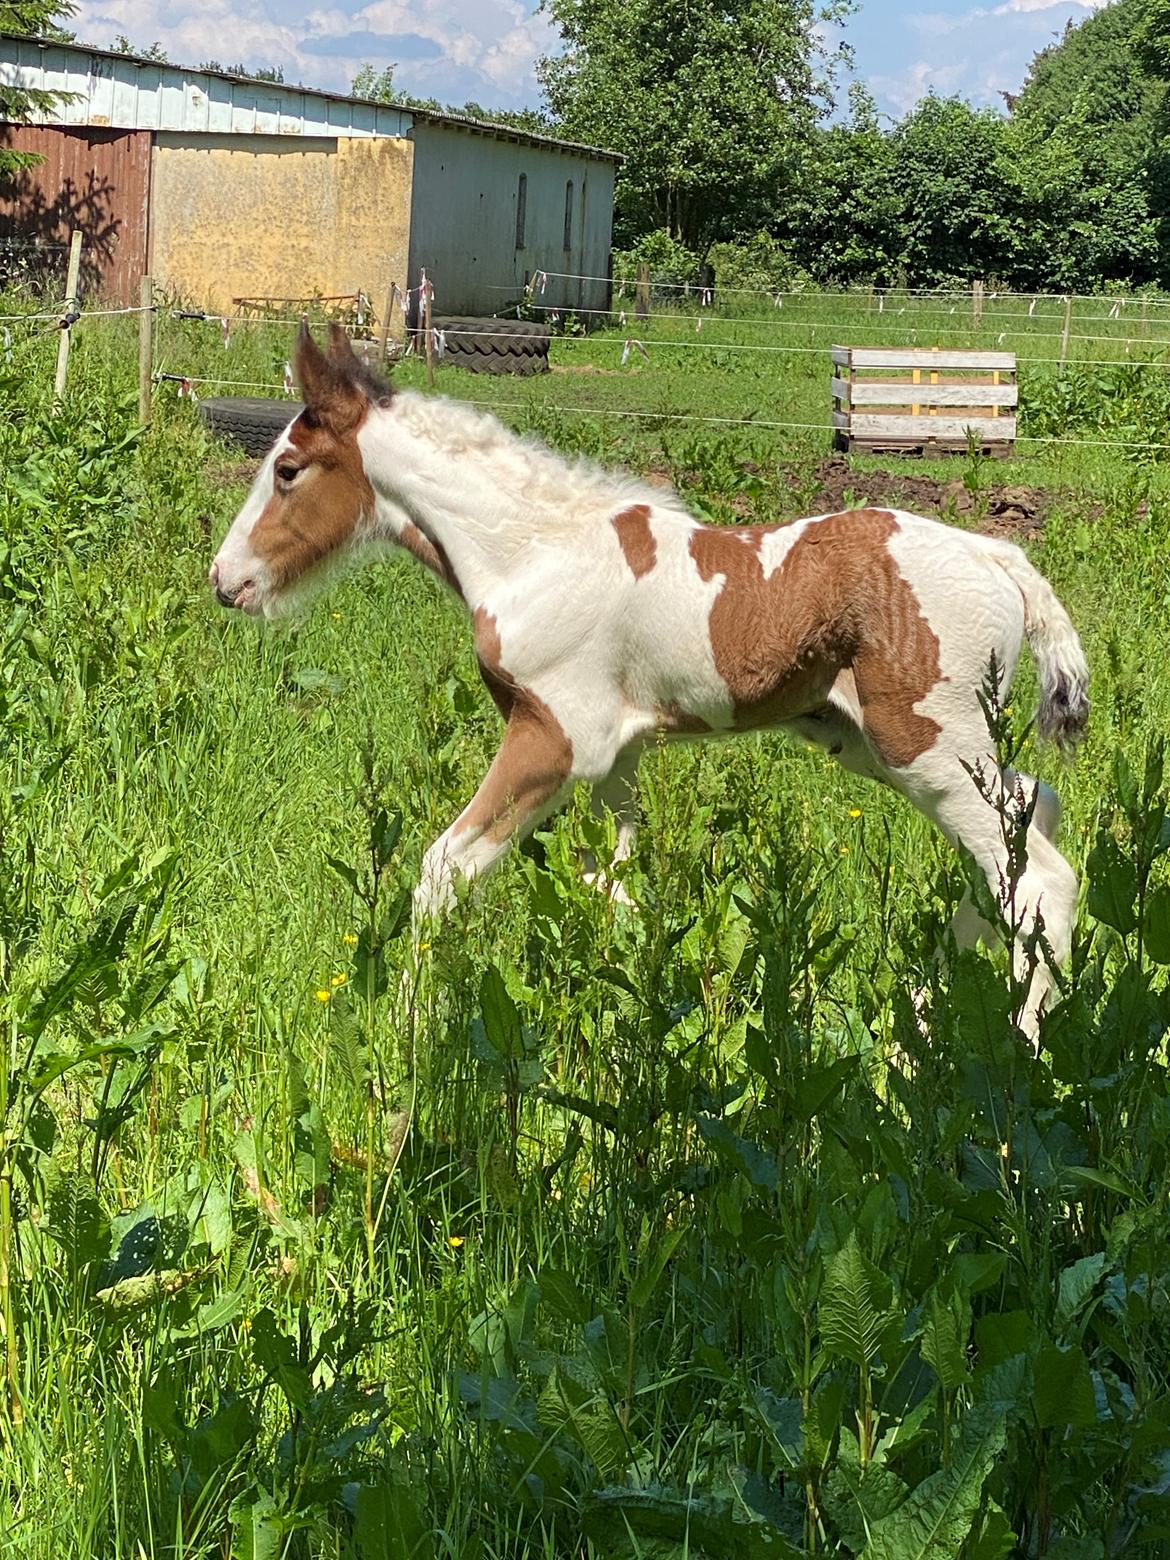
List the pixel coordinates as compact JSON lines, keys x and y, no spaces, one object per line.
{"x":251,"y":421}
{"x":493,"y":346}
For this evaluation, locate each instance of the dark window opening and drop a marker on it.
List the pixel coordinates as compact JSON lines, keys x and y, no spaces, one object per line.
{"x":569,"y":215}
{"x":521,"y":209}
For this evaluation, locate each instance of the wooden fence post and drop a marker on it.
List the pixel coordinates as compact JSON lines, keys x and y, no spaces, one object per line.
{"x":72,"y":283}
{"x":642,"y":293}
{"x":976,"y":303}
{"x":145,"y":354}
{"x":384,"y":333}
{"x":1064,"y":333}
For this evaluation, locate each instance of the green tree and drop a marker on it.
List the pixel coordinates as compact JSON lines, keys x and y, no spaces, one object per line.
{"x":710,"y":103}
{"x":377,"y":86}
{"x":37,"y":18}
{"x":841,"y":219}
{"x":953,"y":193}
{"x":1087,"y":135}
{"x":272,"y":73}
{"x":152,"y":51}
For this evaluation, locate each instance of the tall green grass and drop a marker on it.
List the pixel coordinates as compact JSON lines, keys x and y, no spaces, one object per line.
{"x":731,"y":1225}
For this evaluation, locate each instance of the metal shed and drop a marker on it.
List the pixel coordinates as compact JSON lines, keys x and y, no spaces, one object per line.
{"x":263,"y":188}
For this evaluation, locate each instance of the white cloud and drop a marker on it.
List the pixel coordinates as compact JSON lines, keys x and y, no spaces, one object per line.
{"x":449,"y":49}
{"x":906,"y":88}
{"x":981,"y":53}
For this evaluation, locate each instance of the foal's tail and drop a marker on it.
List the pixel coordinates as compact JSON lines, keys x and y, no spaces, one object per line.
{"x":1064,"y":673}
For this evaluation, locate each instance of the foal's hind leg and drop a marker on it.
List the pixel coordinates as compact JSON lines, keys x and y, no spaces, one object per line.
{"x":941,"y":788}
{"x":617,"y":793}
{"x":968,"y":927}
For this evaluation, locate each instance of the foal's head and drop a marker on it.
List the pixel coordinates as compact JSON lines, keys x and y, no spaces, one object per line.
{"x":311,"y":499}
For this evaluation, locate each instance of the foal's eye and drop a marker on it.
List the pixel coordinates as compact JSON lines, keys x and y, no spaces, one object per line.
{"x":288,"y":473}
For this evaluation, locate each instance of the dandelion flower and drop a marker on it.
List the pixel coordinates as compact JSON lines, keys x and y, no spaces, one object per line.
{"x":339,"y":979}
{"x":855,"y":812}
{"x":323,"y":995}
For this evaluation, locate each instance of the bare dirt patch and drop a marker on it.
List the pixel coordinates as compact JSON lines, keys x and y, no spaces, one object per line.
{"x":998,"y":509}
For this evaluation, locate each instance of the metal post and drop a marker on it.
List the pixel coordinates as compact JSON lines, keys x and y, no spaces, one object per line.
{"x":145,"y":352}
{"x":428,"y":331}
{"x":71,"y":285}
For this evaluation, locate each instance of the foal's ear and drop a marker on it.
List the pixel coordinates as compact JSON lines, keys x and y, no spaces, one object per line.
{"x":340,"y":350}
{"x":330,"y":392}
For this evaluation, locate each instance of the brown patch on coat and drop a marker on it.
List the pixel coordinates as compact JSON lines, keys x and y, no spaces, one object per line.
{"x":636,"y":538}
{"x":836,"y":602}
{"x":318,"y":512}
{"x":535,"y":758}
{"x":430,"y":553}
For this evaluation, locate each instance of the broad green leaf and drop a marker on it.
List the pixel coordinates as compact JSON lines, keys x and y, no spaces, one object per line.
{"x":587,"y":1418}
{"x":501,"y":1021}
{"x":1063,"y":1392}
{"x":822,"y":1084}
{"x":991,"y":1537}
{"x":563,"y":1296}
{"x":945,"y":1327}
{"x":702,"y":1523}
{"x":854,"y":1308}
{"x":276,"y":1355}
{"x":1113,"y":885}
{"x":856,"y":1499}
{"x":783,"y":1418}
{"x":756,"y":1163}
{"x":219,"y":1440}
{"x":76,"y":1219}
{"x":390,"y":1524}
{"x":1077,"y":1283}
{"x":1156,"y":931}
{"x":257,"y":1529}
{"x":936,"y":1518}
{"x":653,"y":1266}
{"x":975,"y":1271}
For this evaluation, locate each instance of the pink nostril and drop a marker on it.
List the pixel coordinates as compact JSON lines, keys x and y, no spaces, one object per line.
{"x":213,"y":573}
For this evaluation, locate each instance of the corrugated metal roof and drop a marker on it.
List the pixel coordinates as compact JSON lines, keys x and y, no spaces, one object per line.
{"x":132,"y":92}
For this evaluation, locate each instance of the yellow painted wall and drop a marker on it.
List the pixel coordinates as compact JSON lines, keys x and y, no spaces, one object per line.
{"x":279,"y":216}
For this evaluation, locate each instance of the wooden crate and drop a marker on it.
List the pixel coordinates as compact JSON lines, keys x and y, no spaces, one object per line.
{"x":924,"y":400}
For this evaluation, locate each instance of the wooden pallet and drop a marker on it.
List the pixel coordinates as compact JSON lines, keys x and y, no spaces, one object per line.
{"x":924,"y":400}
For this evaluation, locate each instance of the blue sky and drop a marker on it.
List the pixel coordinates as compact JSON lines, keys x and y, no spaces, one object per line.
{"x":485,"y":50}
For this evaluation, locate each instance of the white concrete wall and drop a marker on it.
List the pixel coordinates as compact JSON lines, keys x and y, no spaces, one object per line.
{"x":463,"y":221}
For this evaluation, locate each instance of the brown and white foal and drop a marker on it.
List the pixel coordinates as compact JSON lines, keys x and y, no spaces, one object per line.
{"x":607,"y":618}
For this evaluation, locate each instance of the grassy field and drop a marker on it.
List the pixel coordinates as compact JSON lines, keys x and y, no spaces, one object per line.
{"x":657,"y":1232}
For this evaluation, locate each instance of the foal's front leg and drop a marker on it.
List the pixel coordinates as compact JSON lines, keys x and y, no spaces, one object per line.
{"x":528,"y":779}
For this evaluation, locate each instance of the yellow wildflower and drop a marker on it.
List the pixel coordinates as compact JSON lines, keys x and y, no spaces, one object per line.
{"x":322,"y":994}
{"x":339,"y":979}
{"x":454,"y":1241}
{"x":844,"y":850}
{"x":349,"y":940}
{"x":855,"y":812}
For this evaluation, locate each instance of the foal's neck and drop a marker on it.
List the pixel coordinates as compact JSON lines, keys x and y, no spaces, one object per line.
{"x":445,"y":503}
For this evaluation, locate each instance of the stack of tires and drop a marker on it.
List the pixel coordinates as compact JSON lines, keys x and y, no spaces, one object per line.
{"x":494,"y":346}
